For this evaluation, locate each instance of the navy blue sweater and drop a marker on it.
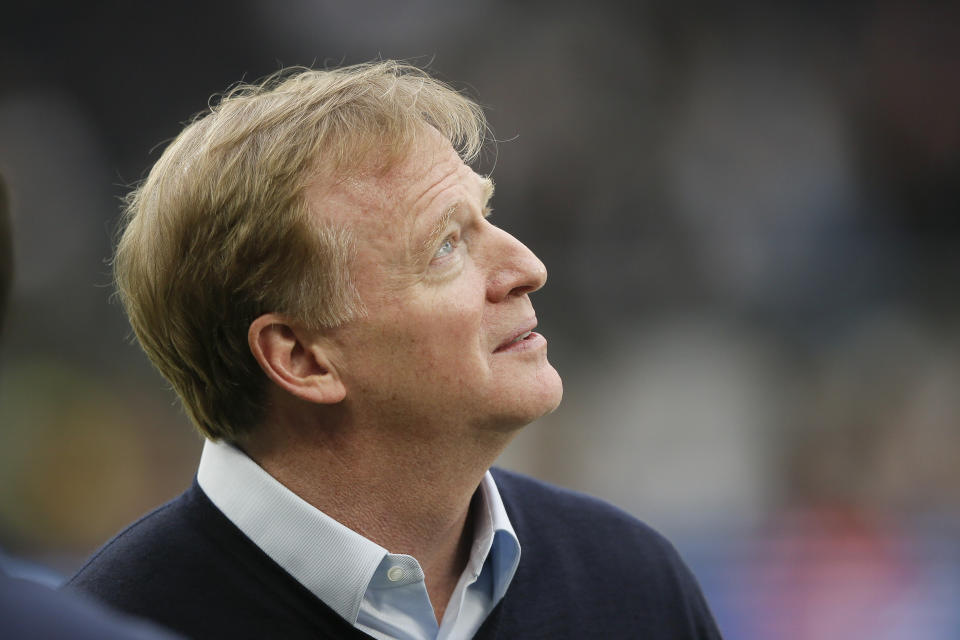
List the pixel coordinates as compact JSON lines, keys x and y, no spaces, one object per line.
{"x":587,"y":570}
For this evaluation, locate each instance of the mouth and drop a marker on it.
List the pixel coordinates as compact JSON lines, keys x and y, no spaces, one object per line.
{"x":524,"y":335}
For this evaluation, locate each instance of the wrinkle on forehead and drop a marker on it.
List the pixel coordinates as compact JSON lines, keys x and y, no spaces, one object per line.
{"x":374,"y":188}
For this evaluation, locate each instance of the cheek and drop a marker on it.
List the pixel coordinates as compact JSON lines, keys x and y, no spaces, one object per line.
{"x":446,"y":346}
{"x":453,"y":336}
{"x":430,"y":332}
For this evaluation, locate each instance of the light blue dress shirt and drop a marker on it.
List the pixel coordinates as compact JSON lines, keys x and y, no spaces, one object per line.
{"x":381,"y":593}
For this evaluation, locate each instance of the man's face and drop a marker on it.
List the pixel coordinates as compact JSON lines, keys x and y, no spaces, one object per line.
{"x":447,"y":341}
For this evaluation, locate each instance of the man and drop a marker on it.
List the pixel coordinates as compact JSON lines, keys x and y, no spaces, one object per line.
{"x":311,"y":266}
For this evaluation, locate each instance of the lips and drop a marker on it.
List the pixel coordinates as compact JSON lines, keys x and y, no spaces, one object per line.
{"x":518,"y":336}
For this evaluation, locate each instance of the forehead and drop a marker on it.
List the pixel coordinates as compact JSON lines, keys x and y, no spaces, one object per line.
{"x":431,"y":176}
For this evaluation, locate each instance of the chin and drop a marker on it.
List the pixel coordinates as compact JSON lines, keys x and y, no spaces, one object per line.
{"x":553,"y":394}
{"x":539,"y":400}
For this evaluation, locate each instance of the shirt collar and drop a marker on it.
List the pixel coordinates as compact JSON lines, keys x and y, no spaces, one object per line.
{"x":334,"y":562}
{"x":494,"y":537}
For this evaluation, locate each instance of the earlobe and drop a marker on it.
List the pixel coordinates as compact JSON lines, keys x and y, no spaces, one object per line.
{"x":295,"y":360}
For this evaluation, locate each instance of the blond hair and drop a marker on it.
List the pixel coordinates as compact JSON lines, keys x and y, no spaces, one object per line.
{"x":220,"y":231}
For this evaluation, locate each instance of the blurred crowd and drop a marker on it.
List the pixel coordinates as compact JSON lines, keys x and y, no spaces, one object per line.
{"x":748,"y":213}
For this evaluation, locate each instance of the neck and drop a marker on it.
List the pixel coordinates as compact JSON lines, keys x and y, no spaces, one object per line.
{"x":407,"y":493}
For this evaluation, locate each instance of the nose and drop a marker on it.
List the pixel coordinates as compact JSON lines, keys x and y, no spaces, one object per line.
{"x":514,"y":270}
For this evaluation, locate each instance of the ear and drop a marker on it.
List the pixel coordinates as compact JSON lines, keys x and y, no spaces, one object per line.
{"x":297,"y":360}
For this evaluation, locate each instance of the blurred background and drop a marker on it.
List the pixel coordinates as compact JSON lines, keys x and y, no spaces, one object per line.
{"x":749,"y":217}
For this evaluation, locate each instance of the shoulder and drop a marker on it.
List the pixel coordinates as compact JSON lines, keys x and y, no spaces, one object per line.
{"x":523,"y":488}
{"x":142,"y":547}
{"x":159,"y":566}
{"x":541,"y":507}
{"x":188,"y":568}
{"x":585,"y":563}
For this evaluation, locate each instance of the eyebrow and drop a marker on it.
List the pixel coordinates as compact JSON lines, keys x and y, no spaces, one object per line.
{"x":488,"y":189}
{"x":439,"y":229}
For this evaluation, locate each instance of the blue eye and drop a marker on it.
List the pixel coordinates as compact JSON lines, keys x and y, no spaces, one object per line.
{"x":446,"y":248}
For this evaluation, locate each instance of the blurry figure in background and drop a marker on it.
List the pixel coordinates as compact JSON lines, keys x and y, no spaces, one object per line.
{"x":311,"y":266}
{"x":863,"y":547}
{"x":6,"y":252}
{"x":28,"y":609}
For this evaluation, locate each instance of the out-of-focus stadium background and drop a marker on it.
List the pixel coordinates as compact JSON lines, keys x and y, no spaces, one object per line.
{"x":749,"y":214}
